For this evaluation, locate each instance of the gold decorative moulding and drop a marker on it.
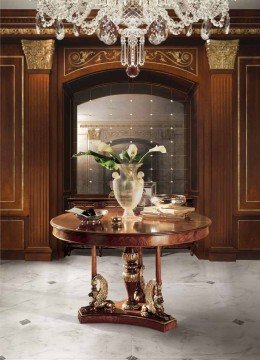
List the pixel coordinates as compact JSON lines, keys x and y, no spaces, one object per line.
{"x":185,"y":59}
{"x":222,"y":54}
{"x":31,"y":31}
{"x":38,"y":53}
{"x":93,"y":134}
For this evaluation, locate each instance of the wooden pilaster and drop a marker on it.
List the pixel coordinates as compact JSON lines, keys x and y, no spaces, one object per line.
{"x":39,"y":61}
{"x":221,"y":56}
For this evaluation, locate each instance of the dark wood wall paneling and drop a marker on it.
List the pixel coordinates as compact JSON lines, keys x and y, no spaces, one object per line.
{"x":221,"y":166}
{"x":226,"y":109}
{"x":13,"y":155}
{"x":247,"y":154}
{"x":39,"y":123}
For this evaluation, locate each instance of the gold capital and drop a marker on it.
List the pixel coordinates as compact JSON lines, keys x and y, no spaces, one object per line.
{"x":38,"y":53}
{"x":94,"y":134}
{"x":222,"y":54}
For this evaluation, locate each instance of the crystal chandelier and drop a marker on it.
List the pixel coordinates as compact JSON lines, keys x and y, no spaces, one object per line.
{"x":133,"y":21}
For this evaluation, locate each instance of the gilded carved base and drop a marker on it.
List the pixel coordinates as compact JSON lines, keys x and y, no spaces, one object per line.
{"x":130,"y":317}
{"x":139,"y":292}
{"x":143,"y":307}
{"x":131,"y":276}
{"x":153,"y":305}
{"x":98,"y":294}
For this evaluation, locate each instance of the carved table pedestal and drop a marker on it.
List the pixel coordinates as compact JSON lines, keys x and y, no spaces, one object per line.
{"x":144,"y":303}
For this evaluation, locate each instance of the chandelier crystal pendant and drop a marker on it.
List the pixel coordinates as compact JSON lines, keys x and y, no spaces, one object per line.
{"x":133,"y":21}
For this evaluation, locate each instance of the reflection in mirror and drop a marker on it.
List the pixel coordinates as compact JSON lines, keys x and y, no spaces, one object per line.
{"x":144,"y":119}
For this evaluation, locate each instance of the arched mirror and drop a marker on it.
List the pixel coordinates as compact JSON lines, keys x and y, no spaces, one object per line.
{"x":121,"y":114}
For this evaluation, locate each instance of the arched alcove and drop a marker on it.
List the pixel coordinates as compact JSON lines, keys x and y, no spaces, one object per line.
{"x":114,"y":82}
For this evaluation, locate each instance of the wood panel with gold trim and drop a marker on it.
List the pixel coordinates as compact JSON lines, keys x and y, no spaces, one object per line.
{"x":12,"y":135}
{"x":248,"y":153}
{"x":14,"y":205}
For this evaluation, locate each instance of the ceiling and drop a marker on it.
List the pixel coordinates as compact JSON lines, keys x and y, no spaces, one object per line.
{"x":27,"y":4}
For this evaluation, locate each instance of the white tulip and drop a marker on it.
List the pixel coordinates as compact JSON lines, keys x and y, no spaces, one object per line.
{"x":103,"y":147}
{"x":132,"y":151}
{"x":160,"y":149}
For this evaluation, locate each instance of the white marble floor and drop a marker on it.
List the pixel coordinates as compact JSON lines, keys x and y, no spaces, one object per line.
{"x":217,"y":305}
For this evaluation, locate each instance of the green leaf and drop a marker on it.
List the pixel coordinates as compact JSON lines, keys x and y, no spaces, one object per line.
{"x":97,"y":155}
{"x":108,"y":164}
{"x":138,"y":157}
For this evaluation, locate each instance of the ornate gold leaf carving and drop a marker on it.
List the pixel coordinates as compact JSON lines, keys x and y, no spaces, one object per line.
{"x":75,"y":59}
{"x":99,"y":294}
{"x":181,"y":58}
{"x":131,"y":258}
{"x":78,"y":59}
{"x":94,"y":134}
{"x":151,"y":303}
{"x":38,"y":53}
{"x":154,"y":301}
{"x":222,"y":53}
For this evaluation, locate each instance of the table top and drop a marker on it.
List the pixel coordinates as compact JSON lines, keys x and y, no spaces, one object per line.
{"x":146,"y":233}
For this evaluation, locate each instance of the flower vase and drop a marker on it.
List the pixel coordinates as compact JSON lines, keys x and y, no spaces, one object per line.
{"x":128,"y":190}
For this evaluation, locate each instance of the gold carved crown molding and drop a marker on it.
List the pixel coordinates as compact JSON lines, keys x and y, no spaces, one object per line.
{"x":30,"y":31}
{"x":39,"y":53}
{"x":222,"y":54}
{"x":75,"y":59}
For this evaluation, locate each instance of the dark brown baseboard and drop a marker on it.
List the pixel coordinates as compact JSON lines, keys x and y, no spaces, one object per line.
{"x":12,"y":254}
{"x":248,"y":254}
{"x":212,"y":256}
{"x":38,"y":254}
{"x":232,"y":255}
{"x":221,"y":254}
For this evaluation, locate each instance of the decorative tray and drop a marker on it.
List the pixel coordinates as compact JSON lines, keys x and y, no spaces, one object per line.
{"x":90,"y":215}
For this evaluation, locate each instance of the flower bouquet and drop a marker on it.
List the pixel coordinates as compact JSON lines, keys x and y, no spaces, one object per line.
{"x":127,"y":184}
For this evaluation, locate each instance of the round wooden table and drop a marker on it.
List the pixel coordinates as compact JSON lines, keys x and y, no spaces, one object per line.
{"x":144,"y":304}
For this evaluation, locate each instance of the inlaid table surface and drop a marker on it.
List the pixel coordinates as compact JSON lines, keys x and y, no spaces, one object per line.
{"x":144,"y":305}
{"x":148,"y":232}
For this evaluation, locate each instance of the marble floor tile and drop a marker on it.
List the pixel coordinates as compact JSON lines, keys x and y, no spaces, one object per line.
{"x":216,"y":305}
